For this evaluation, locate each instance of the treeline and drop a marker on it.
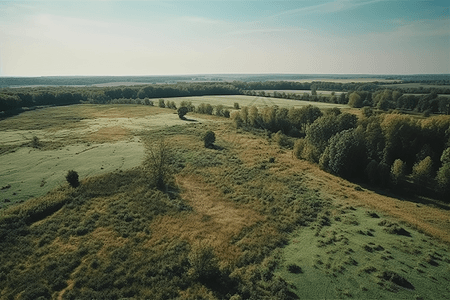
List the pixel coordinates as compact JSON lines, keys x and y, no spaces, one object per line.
{"x":388,"y":150}
{"x":17,"y":98}
{"x":388,"y":99}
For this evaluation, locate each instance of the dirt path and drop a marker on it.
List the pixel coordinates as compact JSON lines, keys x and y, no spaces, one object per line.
{"x":213,"y":221}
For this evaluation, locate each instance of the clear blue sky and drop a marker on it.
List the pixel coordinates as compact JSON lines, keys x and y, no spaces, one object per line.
{"x":39,"y":38}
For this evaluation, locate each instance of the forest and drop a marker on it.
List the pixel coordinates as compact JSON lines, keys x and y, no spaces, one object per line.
{"x":381,"y":96}
{"x":384,"y":150}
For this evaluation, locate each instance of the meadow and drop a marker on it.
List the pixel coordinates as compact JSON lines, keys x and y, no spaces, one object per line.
{"x":244,"y":219}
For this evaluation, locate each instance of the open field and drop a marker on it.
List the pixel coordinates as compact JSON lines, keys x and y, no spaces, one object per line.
{"x":228,"y":101}
{"x":243,"y":219}
{"x":347,"y":80}
{"x":301,"y":92}
{"x":93,"y":139}
{"x":415,"y":85}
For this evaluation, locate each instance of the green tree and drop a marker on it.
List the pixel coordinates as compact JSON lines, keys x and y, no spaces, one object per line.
{"x":161,"y":103}
{"x":209,"y":138}
{"x":354,"y":100}
{"x":445,"y":157}
{"x":346,"y":154}
{"x":72,"y":178}
{"x":422,"y":171}
{"x":182,"y":111}
{"x":398,"y":170}
{"x":443,"y":180}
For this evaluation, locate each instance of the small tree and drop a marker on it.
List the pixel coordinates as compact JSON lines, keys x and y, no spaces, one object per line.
{"x":236,"y":105}
{"x":354,"y":100}
{"x":182,"y":111}
{"x":158,"y":164}
{"x":398,"y":171}
{"x":422,"y":171}
{"x":72,"y":178}
{"x":161,"y":103}
{"x":209,"y":138}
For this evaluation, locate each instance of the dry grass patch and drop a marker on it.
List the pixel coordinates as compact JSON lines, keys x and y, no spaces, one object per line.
{"x":107,"y":134}
{"x":213,"y":220}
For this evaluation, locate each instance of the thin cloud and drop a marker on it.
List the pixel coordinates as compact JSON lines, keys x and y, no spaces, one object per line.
{"x":265,"y":30}
{"x":200,"y":20}
{"x":326,"y":8}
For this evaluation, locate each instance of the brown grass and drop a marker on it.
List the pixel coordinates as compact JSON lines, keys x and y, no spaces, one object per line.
{"x":213,"y":221}
{"x":118,"y":111}
{"x":107,"y":134}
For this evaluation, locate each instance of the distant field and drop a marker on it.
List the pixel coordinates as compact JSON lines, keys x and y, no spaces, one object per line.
{"x":229,"y":101}
{"x":415,"y":85}
{"x":349,"y":80}
{"x":301,"y":92}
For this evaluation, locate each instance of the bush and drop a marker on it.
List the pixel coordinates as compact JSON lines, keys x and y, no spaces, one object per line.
{"x":219,"y":110}
{"x":161,"y":103}
{"x":72,"y":178}
{"x":171,"y":104}
{"x":188,"y":104}
{"x":299,"y":145}
{"x":35,"y":143}
{"x":209,"y":138}
{"x":206,"y":109}
{"x":282,"y":140}
{"x":182,"y":111}
{"x":236,"y":105}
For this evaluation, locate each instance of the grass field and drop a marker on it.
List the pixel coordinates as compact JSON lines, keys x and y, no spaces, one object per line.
{"x":244,"y":219}
{"x":228,"y":101}
{"x":415,"y":85}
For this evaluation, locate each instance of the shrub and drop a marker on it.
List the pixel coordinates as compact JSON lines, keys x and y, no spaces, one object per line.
{"x":182,"y":111}
{"x":236,"y":105}
{"x":299,"y":145}
{"x":203,"y":108}
{"x":72,"y":178}
{"x":282,"y":140}
{"x":188,"y":104}
{"x":35,"y":143}
{"x":171,"y":104}
{"x":209,"y":138}
{"x":147,"y":101}
{"x":161,"y":103}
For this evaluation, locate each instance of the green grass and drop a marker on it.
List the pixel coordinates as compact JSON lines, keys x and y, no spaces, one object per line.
{"x":32,"y":172}
{"x":351,"y":259}
{"x":228,"y":101}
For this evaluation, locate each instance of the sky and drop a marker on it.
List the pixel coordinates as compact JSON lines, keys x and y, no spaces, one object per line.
{"x":63,"y":38}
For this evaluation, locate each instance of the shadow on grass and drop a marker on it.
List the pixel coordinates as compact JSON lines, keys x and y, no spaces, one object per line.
{"x":410,"y":193}
{"x":189,"y":120}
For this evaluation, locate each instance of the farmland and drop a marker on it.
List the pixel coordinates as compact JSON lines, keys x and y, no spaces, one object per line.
{"x":242,"y":219}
